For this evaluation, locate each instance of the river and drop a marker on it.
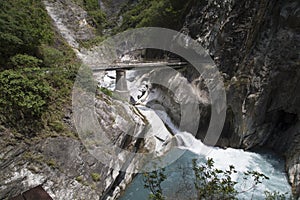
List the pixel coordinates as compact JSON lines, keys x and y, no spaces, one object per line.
{"x":180,"y":178}
{"x":179,"y":183}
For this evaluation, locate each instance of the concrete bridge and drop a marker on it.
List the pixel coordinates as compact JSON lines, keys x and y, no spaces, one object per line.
{"x":121,"y":88}
{"x":138,"y":65}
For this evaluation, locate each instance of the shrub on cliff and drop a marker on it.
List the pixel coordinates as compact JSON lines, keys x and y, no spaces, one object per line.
{"x":24,"y":95}
{"x":24,"y":25}
{"x":96,"y":16}
{"x":37,"y":69}
{"x":24,"y":61}
{"x":152,"y":181}
{"x":159,"y":13}
{"x":210,"y":182}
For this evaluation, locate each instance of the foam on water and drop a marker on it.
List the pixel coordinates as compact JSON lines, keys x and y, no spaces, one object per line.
{"x":179,"y":184}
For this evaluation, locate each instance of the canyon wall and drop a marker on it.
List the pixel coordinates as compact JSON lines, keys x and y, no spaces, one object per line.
{"x":255,"y":44}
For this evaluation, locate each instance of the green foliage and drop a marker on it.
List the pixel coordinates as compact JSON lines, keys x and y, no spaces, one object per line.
{"x":52,"y":57}
{"x":95,"y":176}
{"x":91,"y":42}
{"x":25,"y":61}
{"x":152,"y":181}
{"x":159,"y":13}
{"x":24,"y":93}
{"x":57,"y":126}
{"x":256,"y":176}
{"x":37,"y":70}
{"x":34,"y":157}
{"x":96,"y":17}
{"x":275,"y":196}
{"x":79,"y":179}
{"x":24,"y":25}
{"x":212,"y":183}
{"x":106,"y":91}
{"x":51,"y":163}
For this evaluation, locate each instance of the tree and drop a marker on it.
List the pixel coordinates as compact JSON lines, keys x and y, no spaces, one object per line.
{"x":210,"y":183}
{"x":25,"y":61}
{"x":36,"y":74}
{"x":157,"y":13}
{"x":275,"y":196}
{"x":96,"y":17}
{"x":24,"y":95}
{"x":152,"y":181}
{"x":213,"y":183}
{"x":24,"y":25}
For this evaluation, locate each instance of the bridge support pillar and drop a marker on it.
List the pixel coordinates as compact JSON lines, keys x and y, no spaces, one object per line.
{"x":121,"y":84}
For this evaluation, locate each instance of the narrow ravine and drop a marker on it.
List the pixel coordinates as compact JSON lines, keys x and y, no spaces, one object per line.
{"x":264,"y":162}
{"x":165,"y":131}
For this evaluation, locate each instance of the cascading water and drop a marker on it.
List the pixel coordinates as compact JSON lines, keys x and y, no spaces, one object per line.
{"x":179,"y":183}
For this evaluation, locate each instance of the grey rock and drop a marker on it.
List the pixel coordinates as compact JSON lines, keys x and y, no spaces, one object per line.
{"x":63,"y":166}
{"x":255,"y":44}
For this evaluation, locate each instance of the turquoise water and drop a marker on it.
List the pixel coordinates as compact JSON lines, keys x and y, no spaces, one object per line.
{"x":179,"y":183}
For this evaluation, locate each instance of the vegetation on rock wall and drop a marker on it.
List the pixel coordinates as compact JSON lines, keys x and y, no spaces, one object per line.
{"x":142,"y":13}
{"x":159,"y":13}
{"x":152,"y":181}
{"x":96,"y":16}
{"x":37,"y":69}
{"x":24,"y":25}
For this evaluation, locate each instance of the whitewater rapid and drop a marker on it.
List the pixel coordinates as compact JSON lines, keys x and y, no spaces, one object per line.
{"x":179,"y":184}
{"x":180,"y":174}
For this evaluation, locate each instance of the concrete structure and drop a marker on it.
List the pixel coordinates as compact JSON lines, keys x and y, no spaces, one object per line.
{"x":121,"y":88}
{"x":121,"y":84}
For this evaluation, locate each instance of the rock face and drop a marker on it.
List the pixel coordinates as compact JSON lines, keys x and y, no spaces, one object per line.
{"x":177,"y":97}
{"x":84,"y":176}
{"x":255,"y":44}
{"x":112,"y":7}
{"x":71,"y":20}
{"x":63,"y":166}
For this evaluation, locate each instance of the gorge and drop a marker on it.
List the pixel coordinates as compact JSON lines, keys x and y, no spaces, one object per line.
{"x":255,"y":45}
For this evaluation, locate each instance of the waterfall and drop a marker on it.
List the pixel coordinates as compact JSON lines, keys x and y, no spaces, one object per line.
{"x":179,"y":181}
{"x":180,"y":174}
{"x":265,"y":163}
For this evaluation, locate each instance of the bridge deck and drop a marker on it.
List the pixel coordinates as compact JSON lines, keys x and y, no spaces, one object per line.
{"x":139,"y":65}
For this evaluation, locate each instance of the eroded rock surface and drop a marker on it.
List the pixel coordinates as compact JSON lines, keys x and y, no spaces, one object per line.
{"x":64,"y":167}
{"x":256,"y":48}
{"x":255,"y":44}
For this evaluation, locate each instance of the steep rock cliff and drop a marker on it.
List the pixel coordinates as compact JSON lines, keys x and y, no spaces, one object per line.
{"x":112,"y":7}
{"x":255,"y":44}
{"x":63,"y":166}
